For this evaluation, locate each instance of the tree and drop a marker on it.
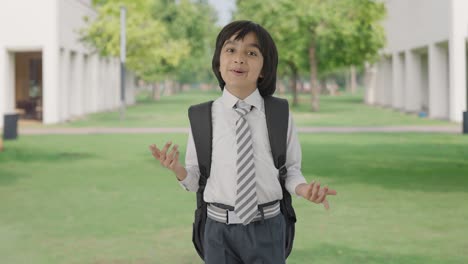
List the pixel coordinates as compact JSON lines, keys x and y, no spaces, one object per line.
{"x":276,"y":18}
{"x":193,"y":21}
{"x":150,"y":48}
{"x":167,"y":39}
{"x":329,"y":34}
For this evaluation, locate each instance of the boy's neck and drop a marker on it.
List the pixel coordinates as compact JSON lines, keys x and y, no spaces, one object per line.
{"x":239,"y":92}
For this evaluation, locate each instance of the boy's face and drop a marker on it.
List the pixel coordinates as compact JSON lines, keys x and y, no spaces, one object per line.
{"x":241,"y":62}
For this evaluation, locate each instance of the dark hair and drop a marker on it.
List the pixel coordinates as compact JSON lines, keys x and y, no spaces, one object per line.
{"x":267,"y":84}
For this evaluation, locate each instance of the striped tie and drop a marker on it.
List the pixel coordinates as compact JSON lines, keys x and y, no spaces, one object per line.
{"x":246,"y":199}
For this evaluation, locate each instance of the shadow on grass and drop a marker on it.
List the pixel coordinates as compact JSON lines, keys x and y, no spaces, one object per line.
{"x":23,"y":154}
{"x":408,"y":166}
{"x":16,"y":156}
{"x":327,"y":253}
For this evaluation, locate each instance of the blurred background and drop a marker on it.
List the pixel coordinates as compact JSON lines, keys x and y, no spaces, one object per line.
{"x":377,"y":89}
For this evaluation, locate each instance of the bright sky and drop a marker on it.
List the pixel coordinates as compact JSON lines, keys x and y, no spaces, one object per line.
{"x":224,"y":8}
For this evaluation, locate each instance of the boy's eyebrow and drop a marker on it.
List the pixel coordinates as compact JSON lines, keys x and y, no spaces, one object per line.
{"x":255,"y":45}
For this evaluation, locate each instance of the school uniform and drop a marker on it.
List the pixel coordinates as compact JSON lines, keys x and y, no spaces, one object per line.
{"x":262,"y":240}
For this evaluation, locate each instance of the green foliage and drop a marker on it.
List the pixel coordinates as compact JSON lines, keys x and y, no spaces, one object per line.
{"x":194,"y":22}
{"x":351,"y":35}
{"x":162,"y":35}
{"x":278,"y":19}
{"x":345,"y":32}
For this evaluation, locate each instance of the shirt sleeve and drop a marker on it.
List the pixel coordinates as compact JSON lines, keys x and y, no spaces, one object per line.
{"x":293,"y":159}
{"x":190,"y":183}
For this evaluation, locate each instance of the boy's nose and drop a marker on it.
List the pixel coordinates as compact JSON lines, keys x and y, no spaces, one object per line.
{"x":239,"y":60}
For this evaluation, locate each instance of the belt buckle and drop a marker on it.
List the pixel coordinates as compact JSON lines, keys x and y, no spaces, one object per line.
{"x":232,"y":218}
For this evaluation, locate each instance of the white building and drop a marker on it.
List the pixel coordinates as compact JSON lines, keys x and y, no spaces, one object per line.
{"x":424,"y":65}
{"x":46,"y":73}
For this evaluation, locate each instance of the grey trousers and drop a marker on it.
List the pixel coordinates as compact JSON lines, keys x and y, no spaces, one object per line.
{"x":255,"y":243}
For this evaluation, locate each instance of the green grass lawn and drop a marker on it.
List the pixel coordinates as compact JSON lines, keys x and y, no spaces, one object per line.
{"x":103,"y":199}
{"x":171,"y":111}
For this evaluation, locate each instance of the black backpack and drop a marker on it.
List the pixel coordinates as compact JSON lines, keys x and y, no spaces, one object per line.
{"x":277,"y":115}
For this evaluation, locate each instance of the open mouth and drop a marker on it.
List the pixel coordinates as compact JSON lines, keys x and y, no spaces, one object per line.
{"x":237,"y":71}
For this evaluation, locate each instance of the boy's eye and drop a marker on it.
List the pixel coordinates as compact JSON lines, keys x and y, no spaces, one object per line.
{"x":229,"y":50}
{"x":252,"y":53}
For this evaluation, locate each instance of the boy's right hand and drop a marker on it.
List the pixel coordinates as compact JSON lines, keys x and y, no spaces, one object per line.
{"x":168,"y":159}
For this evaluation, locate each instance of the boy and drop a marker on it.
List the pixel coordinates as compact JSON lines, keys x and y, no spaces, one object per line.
{"x":243,"y":176}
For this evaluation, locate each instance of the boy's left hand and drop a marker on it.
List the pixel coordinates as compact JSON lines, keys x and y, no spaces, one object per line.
{"x":314,"y":193}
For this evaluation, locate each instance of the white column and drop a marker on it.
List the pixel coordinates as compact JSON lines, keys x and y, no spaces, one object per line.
{"x":398,"y":81}
{"x":94,"y":81}
{"x":110,"y":88}
{"x":388,"y":82}
{"x":457,"y":59}
{"x":424,"y":81}
{"x":102,"y":85}
{"x":102,"y":88}
{"x":72,"y":85}
{"x":3,"y":82}
{"x":413,"y":88}
{"x":438,"y":82}
{"x":78,"y":84}
{"x":116,"y":82}
{"x":7,"y":83}
{"x":85,"y":84}
{"x":50,"y":66}
{"x":380,"y":82}
{"x":64,"y":85}
{"x":370,"y":83}
{"x":51,"y":84}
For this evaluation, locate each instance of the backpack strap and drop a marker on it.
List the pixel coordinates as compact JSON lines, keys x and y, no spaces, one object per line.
{"x":277,"y":119}
{"x":200,"y":122}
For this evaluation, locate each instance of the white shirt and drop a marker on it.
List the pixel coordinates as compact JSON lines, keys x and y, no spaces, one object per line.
{"x":222,"y":183}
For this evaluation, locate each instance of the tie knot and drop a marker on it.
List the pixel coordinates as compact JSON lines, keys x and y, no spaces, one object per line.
{"x":242,"y":108}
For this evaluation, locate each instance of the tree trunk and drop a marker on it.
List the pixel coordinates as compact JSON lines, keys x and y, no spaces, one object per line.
{"x":178,"y":87}
{"x":293,"y":83}
{"x":353,"y":80}
{"x":348,"y":81}
{"x":156,"y":92}
{"x":168,"y":87}
{"x":314,"y":87}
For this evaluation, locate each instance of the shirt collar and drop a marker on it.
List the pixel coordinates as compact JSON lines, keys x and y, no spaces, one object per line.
{"x":255,"y":99}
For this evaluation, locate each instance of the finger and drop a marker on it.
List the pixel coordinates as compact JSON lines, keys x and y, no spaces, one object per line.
{"x":164,"y":150}
{"x":322,"y":194}
{"x":170,"y":156}
{"x":309,"y":191}
{"x":154,"y":151}
{"x":326,"y":204}
{"x":331,"y":192}
{"x":174,"y":161}
{"x":315,"y":191}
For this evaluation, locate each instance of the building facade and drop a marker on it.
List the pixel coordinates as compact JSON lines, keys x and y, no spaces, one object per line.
{"x":423,"y":68}
{"x":46,"y":73}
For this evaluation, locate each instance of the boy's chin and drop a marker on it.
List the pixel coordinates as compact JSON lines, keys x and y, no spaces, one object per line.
{"x":241,"y":85}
